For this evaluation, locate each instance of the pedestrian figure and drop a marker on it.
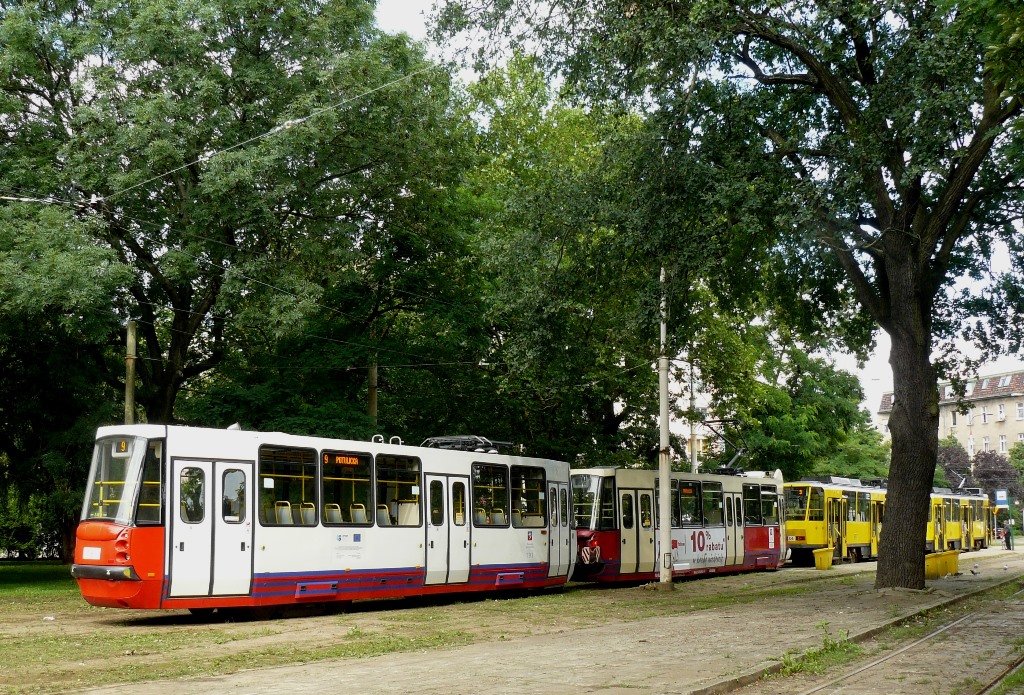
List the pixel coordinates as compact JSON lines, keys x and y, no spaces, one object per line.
{"x":1008,"y":535}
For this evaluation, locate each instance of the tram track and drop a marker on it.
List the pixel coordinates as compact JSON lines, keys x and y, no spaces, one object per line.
{"x":973,"y":653}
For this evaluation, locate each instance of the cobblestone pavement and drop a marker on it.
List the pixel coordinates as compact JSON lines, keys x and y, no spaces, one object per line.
{"x":714,"y":650}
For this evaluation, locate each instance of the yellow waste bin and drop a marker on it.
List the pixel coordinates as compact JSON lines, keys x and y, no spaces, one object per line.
{"x":823,"y":558}
{"x":938,"y":565}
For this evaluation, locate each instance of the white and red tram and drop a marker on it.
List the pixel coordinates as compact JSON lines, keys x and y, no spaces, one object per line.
{"x":721,"y":522}
{"x":181,"y":517}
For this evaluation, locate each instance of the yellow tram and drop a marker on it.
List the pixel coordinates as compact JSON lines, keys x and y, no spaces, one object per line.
{"x":846,"y":514}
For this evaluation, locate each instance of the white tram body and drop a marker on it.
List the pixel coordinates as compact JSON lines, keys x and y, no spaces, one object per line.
{"x":181,"y":517}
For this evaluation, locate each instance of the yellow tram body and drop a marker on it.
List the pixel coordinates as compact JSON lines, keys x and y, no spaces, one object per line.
{"x":846,"y":515}
{"x":840,"y":513}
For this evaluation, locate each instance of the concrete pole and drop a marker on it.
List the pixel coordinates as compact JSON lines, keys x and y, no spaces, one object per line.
{"x":664,"y":464}
{"x":129,"y":376}
{"x":693,"y":432}
{"x":371,"y":396}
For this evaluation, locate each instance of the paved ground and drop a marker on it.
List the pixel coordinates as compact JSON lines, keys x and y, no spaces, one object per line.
{"x":706,"y":651}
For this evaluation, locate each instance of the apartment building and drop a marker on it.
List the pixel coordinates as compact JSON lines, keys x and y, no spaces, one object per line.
{"x":995,"y":421}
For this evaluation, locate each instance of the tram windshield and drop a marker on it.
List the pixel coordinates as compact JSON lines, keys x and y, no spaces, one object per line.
{"x":124,"y":481}
{"x":593,"y":501}
{"x":797,"y":502}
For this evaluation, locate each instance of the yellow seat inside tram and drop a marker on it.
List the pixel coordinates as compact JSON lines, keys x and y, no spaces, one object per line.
{"x":283,"y":512}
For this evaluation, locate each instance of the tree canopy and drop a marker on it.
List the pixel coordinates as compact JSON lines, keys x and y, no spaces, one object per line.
{"x":863,"y":150}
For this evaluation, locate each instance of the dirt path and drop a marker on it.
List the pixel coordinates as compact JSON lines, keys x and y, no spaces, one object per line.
{"x":710,"y":650}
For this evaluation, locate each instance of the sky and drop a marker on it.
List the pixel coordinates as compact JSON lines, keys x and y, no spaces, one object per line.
{"x":394,"y":16}
{"x":875,"y":376}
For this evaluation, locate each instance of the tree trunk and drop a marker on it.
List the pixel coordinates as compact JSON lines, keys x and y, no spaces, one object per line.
{"x":914,"y":426}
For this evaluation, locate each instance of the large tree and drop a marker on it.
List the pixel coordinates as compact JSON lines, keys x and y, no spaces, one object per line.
{"x":889,"y":147}
{"x":238,"y":156}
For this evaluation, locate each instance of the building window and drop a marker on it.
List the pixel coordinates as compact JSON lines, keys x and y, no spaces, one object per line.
{"x":984,"y":443}
{"x":1000,"y":412}
{"x":953,"y":416}
{"x":1002,"y":444}
{"x":1020,"y":411}
{"x":970,"y":447}
{"x":1005,"y":380}
{"x":984,"y":414}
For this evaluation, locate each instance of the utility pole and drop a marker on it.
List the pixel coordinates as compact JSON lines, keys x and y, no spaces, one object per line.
{"x":664,"y":498}
{"x":693,"y":433}
{"x":129,"y":376}
{"x":371,"y":396}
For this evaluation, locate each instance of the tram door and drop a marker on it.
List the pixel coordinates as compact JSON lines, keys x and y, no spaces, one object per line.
{"x":939,"y":524}
{"x":211,"y":527}
{"x":447,"y":530}
{"x":562,"y":541}
{"x":877,"y":511}
{"x":733,"y":529}
{"x":636,"y":527}
{"x":967,"y":527}
{"x":836,"y":511}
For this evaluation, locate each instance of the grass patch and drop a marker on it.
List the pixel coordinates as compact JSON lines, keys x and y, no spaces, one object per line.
{"x":832,"y":652}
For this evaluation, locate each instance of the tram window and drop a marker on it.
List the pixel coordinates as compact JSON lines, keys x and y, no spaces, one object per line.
{"x":593,"y":501}
{"x":193,"y":495}
{"x":728,"y":512}
{"x":287,"y":486}
{"x":769,"y":505}
{"x":436,"y":503}
{"x":752,"y":505}
{"x":459,"y":512}
{"x":645,"y":510}
{"x":490,"y":495}
{"x":607,"y":503}
{"x":529,"y":506}
{"x":816,"y":505}
{"x":564,"y":497}
{"x":232,"y":501}
{"x":627,"y":510}
{"x":674,"y":496}
{"x":554,"y":507}
{"x":398,"y":481}
{"x":151,"y":493}
{"x":739,"y":516}
{"x":585,"y":492}
{"x":712,"y":503}
{"x":689,"y":504}
{"x":345,"y":487}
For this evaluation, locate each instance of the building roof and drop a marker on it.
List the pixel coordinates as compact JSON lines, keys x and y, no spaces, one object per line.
{"x":984,"y":387}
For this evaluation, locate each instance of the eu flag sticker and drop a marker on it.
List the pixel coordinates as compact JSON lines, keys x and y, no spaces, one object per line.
{"x":357,"y":537}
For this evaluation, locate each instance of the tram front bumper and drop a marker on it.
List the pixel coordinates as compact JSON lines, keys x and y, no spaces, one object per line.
{"x":115,"y":573}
